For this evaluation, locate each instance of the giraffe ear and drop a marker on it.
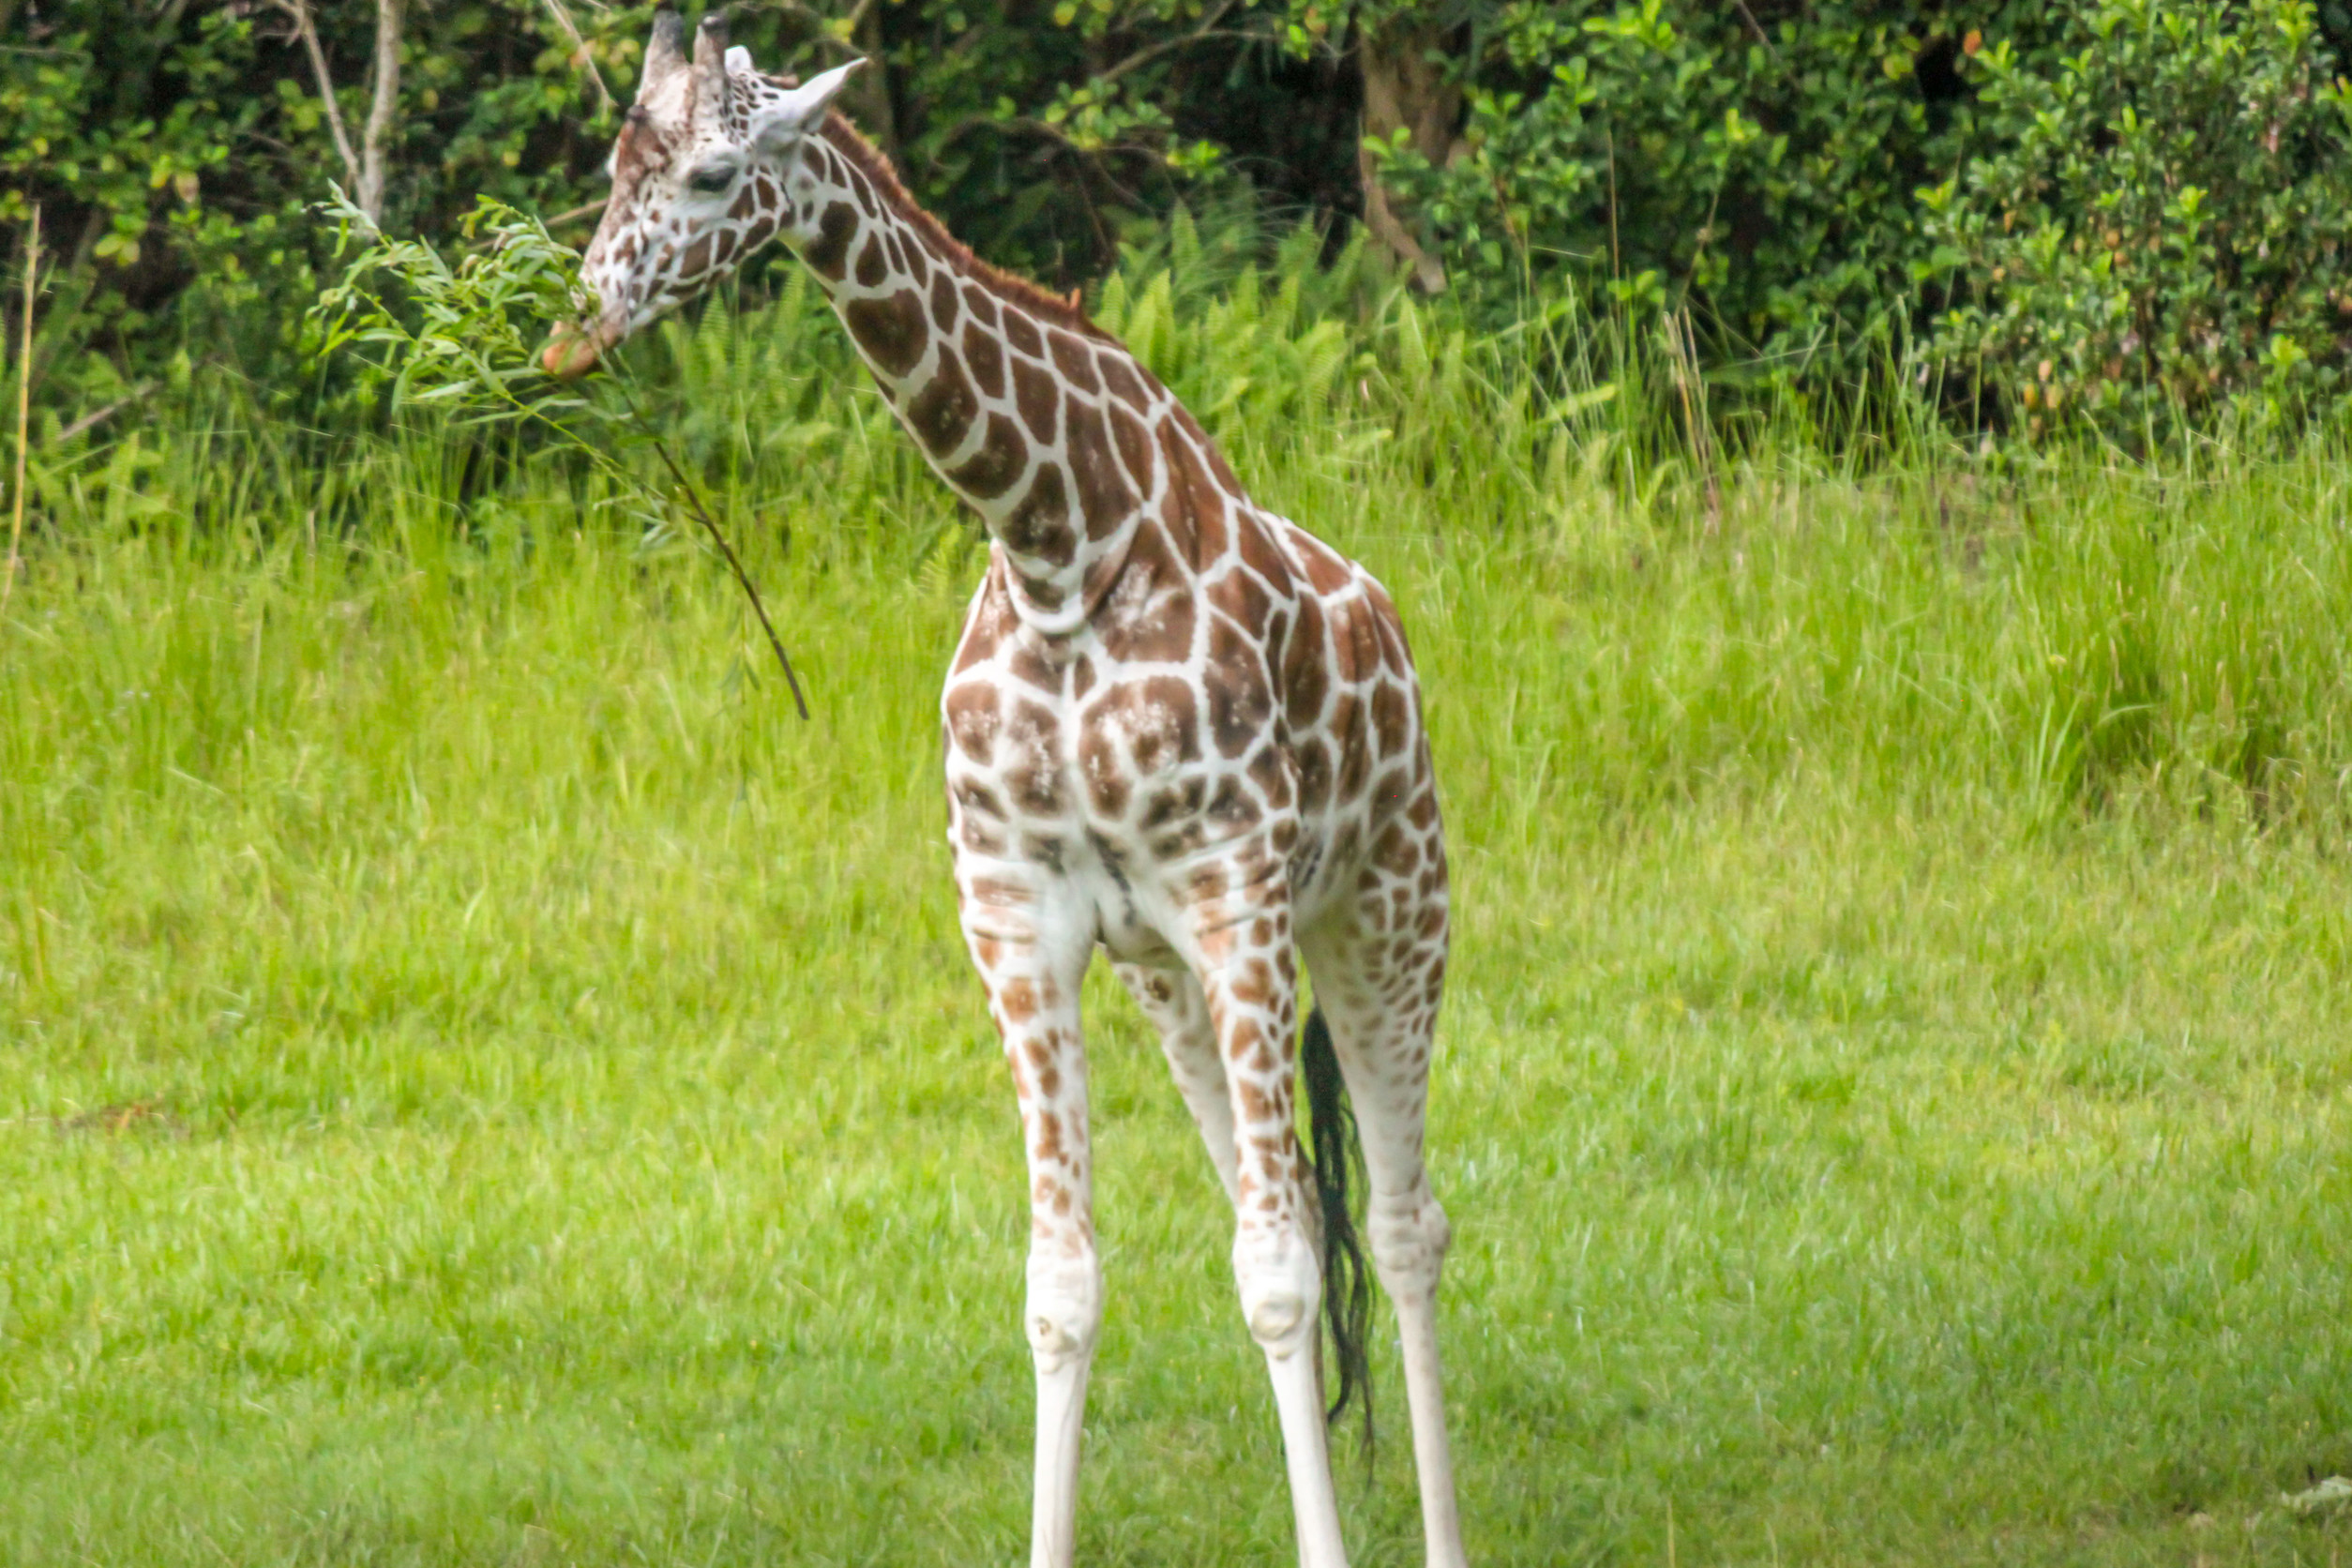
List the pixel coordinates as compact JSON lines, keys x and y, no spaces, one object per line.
{"x":802,"y":107}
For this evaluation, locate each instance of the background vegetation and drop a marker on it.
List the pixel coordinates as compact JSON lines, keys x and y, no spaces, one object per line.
{"x":2112,"y":215}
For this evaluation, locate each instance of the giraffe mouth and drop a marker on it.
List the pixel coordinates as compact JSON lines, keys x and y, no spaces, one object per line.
{"x":574,"y":348}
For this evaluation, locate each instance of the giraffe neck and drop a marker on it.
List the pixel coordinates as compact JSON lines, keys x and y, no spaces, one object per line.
{"x":1044,"y":424}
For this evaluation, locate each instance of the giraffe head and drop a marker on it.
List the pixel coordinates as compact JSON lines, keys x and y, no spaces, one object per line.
{"x":702,"y":175}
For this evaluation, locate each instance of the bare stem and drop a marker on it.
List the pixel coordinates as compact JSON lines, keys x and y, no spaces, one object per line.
{"x":24,"y":402}
{"x":703,"y":515}
{"x":579,"y":52}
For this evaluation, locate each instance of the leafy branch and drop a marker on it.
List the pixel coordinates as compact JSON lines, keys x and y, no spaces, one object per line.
{"x":464,"y":347}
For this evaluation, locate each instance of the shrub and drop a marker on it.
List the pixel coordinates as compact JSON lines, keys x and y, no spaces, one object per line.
{"x":1756,"y":162}
{"x":2157,"y":229}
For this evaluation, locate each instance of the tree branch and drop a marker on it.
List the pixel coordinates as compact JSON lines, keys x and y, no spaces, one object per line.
{"x":1757,"y":29}
{"x":309,"y":37}
{"x":579,"y":52}
{"x":1207,"y":30}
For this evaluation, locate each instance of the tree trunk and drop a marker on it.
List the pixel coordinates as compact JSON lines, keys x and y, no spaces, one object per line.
{"x":1404,"y":88}
{"x":382,"y":109}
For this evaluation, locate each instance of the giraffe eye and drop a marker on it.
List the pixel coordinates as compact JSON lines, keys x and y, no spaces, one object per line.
{"x":711,"y":181}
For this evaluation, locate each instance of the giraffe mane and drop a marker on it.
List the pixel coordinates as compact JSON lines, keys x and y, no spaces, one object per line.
{"x":875,"y":165}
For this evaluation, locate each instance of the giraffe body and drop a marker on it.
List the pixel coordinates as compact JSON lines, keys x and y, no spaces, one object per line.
{"x":1178,"y":728}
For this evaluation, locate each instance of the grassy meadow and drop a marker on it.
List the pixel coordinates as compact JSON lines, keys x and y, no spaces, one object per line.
{"x":482,"y":1083}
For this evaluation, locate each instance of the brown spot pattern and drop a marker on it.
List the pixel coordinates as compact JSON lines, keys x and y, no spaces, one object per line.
{"x":1305,"y":680}
{"x":1258,"y":550}
{"x":1162,"y":725}
{"x":1157,"y":626}
{"x":973,"y":721}
{"x":1040,"y":525}
{"x":1123,"y":383}
{"x":992,"y":471}
{"x":1135,"y":446}
{"x":1076,"y":362}
{"x":985,"y":358}
{"x":1241,"y":596}
{"x":1239,"y":702}
{"x":1194,"y":507}
{"x":944,"y":411}
{"x":1326,"y":572}
{"x":1103,"y":497}
{"x":1033,"y":766}
{"x":1226,"y":481}
{"x":990,"y":621}
{"x":891,"y":330}
{"x":1389,"y":717}
{"x":1021,"y":333}
{"x":1035,"y":394}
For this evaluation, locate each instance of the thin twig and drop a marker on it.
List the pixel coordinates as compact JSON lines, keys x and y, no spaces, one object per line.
{"x":703,"y":515}
{"x":87,"y":420}
{"x":1608,"y":138}
{"x":1757,"y":29}
{"x":309,"y":37}
{"x":558,"y":220}
{"x":1683,"y":349}
{"x":579,"y":52}
{"x":23,"y":401}
{"x":1207,"y":30}
{"x":581,"y":211}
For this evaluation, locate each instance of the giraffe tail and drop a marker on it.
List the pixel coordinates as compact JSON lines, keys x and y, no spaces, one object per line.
{"x":1336,"y":1154}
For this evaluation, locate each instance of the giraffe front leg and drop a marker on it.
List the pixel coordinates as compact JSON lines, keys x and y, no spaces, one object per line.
{"x":1248,"y":975}
{"x":1032,"y":964}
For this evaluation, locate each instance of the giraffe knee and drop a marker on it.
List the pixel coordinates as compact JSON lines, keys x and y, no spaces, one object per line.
{"x":1064,"y":1309}
{"x":1410,"y":1237}
{"x":1282,"y":1289}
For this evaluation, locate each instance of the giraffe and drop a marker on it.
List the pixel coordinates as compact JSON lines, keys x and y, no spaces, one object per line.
{"x":1177,"y":728}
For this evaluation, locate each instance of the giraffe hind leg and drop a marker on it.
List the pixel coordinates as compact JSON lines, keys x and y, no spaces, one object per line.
{"x":1174,"y":1002}
{"x":1171,"y":999}
{"x":1247,"y":972}
{"x":1383,"y":1017}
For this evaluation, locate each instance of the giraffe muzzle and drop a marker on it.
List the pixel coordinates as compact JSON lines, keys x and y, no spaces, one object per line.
{"x":574,"y":348}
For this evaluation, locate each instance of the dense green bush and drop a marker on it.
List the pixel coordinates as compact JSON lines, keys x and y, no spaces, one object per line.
{"x":1756,"y":162}
{"x":176,"y":149}
{"x":2118,"y":213}
{"x":2158,"y":224}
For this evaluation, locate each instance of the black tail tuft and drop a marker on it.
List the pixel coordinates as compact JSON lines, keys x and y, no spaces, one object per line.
{"x":1338,"y":1155}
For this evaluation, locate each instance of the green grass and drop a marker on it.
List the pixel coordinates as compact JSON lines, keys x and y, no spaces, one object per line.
{"x":482,"y":1084}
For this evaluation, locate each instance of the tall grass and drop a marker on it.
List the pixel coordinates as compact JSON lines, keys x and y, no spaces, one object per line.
{"x":484,"y":1084}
